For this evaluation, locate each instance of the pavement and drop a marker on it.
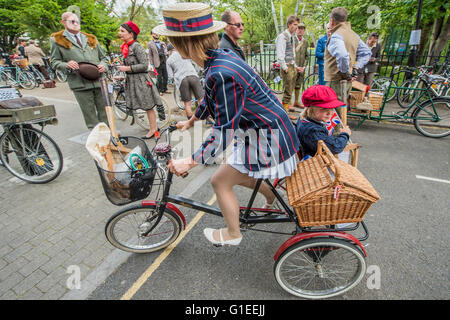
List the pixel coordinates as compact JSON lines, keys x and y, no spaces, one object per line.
{"x":53,"y":233}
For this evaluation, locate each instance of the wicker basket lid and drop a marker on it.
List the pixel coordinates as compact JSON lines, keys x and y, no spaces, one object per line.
{"x":315,"y":175}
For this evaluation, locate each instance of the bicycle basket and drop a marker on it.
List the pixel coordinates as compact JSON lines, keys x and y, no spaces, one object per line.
{"x":133,"y":174}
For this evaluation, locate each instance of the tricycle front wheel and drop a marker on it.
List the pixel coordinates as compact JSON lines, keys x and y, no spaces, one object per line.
{"x":320,"y":268}
{"x":129,"y":229}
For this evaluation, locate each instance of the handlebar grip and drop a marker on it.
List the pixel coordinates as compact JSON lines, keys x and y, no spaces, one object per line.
{"x":172,"y":126}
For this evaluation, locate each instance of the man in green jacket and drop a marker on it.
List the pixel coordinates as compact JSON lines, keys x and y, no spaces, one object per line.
{"x":68,"y":48}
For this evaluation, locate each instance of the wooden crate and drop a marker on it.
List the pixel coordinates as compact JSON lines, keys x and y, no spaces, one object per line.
{"x":27,"y":114}
{"x":327,"y":191}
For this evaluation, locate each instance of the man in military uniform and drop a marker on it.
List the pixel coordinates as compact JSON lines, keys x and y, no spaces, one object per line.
{"x":70,"y":47}
{"x":301,"y":60}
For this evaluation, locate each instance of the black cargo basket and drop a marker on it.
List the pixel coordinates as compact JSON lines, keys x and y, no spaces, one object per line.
{"x":129,"y":184}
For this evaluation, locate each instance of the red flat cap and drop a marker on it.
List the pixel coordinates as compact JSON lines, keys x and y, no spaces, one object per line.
{"x":321,"y":96}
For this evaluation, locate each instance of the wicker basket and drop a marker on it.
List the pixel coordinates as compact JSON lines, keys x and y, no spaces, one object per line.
{"x":355,"y":98}
{"x":376,"y":100}
{"x":23,"y":63}
{"x":327,"y":191}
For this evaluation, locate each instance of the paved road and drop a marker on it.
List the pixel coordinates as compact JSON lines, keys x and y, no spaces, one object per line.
{"x":53,"y":234}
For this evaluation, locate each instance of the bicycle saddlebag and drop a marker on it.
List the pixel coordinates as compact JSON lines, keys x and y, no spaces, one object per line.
{"x":50,"y":84}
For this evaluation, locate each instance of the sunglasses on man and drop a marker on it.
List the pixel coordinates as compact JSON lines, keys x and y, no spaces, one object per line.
{"x":73,"y":21}
{"x":237,"y":25}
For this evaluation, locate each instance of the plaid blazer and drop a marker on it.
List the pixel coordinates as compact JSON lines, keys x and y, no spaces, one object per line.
{"x":245,"y":112}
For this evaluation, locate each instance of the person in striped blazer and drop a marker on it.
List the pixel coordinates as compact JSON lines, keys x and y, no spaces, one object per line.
{"x":245,"y":111}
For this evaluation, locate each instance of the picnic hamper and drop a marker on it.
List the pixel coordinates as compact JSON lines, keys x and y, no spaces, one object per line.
{"x":327,"y":191}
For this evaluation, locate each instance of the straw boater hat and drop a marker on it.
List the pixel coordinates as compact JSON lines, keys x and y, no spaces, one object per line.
{"x":188,"y":19}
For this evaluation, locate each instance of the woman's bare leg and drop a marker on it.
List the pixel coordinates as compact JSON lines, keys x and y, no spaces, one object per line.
{"x":151,"y":114}
{"x":223,"y":181}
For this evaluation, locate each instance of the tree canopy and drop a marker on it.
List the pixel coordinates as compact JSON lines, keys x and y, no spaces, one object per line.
{"x":37,"y":19}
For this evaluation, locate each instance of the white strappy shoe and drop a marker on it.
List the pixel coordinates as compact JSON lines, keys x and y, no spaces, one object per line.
{"x":208,"y":232}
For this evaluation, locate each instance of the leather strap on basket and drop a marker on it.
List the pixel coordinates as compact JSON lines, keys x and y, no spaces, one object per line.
{"x":328,"y":157}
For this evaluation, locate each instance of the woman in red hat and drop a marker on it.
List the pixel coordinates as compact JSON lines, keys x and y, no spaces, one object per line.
{"x":140,"y":92}
{"x":318,"y":119}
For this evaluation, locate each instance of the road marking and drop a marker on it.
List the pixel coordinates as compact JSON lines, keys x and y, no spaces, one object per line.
{"x":144,"y":277}
{"x":432,"y":179}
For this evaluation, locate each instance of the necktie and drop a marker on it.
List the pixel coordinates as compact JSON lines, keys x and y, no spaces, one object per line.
{"x":78,"y":41}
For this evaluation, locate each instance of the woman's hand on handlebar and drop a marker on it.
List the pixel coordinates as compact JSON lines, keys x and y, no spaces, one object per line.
{"x":180,"y":167}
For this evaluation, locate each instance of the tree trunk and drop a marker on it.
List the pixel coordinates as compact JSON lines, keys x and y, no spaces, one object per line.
{"x":437,"y":26}
{"x":441,"y":42}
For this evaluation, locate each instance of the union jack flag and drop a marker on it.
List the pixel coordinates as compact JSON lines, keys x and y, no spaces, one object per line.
{"x":332,"y":123}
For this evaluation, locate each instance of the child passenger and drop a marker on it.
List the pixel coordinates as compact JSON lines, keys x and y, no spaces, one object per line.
{"x":320,"y":102}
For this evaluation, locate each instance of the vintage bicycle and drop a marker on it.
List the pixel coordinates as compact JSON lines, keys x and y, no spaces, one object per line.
{"x":429,"y":114}
{"x":119,"y":103}
{"x":26,"y":151}
{"x":315,"y":262}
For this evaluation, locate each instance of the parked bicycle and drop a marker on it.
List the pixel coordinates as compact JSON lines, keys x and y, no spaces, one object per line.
{"x":54,"y":74}
{"x":437,"y":85}
{"x":430,"y":115}
{"x":17,"y":77}
{"x":25,"y":151}
{"x":117,"y":89}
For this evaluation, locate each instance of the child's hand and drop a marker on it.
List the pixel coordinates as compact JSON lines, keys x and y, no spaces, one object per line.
{"x":346,"y":129}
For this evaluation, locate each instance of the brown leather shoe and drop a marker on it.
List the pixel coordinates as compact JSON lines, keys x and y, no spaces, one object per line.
{"x":299,"y":105}
{"x":293,"y":118}
{"x":291,"y":107}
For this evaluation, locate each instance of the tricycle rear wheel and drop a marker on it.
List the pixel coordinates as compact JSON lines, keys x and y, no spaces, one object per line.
{"x":320,"y":268}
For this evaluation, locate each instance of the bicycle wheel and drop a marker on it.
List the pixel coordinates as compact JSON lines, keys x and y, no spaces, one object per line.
{"x":274,"y":82}
{"x":320,"y":268}
{"x":120,"y":105}
{"x":26,"y":80}
{"x":406,"y":95}
{"x":6,"y":78}
{"x":30,"y":155}
{"x":381,"y":85}
{"x":432,"y":117}
{"x":61,"y":76}
{"x":125,"y":229}
{"x":311,"y":80}
{"x":162,"y":116}
{"x":177,"y":98}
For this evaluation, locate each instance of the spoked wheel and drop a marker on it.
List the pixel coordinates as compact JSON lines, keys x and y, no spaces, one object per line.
{"x":320,"y":268}
{"x":127,"y":229}
{"x":432,"y":118}
{"x":27,"y":80}
{"x":177,"y":98}
{"x":61,"y":76}
{"x":30,"y":155}
{"x":163,"y":113}
{"x":381,"y":85}
{"x":311,"y":80}
{"x":274,"y":81}
{"x":120,"y":105}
